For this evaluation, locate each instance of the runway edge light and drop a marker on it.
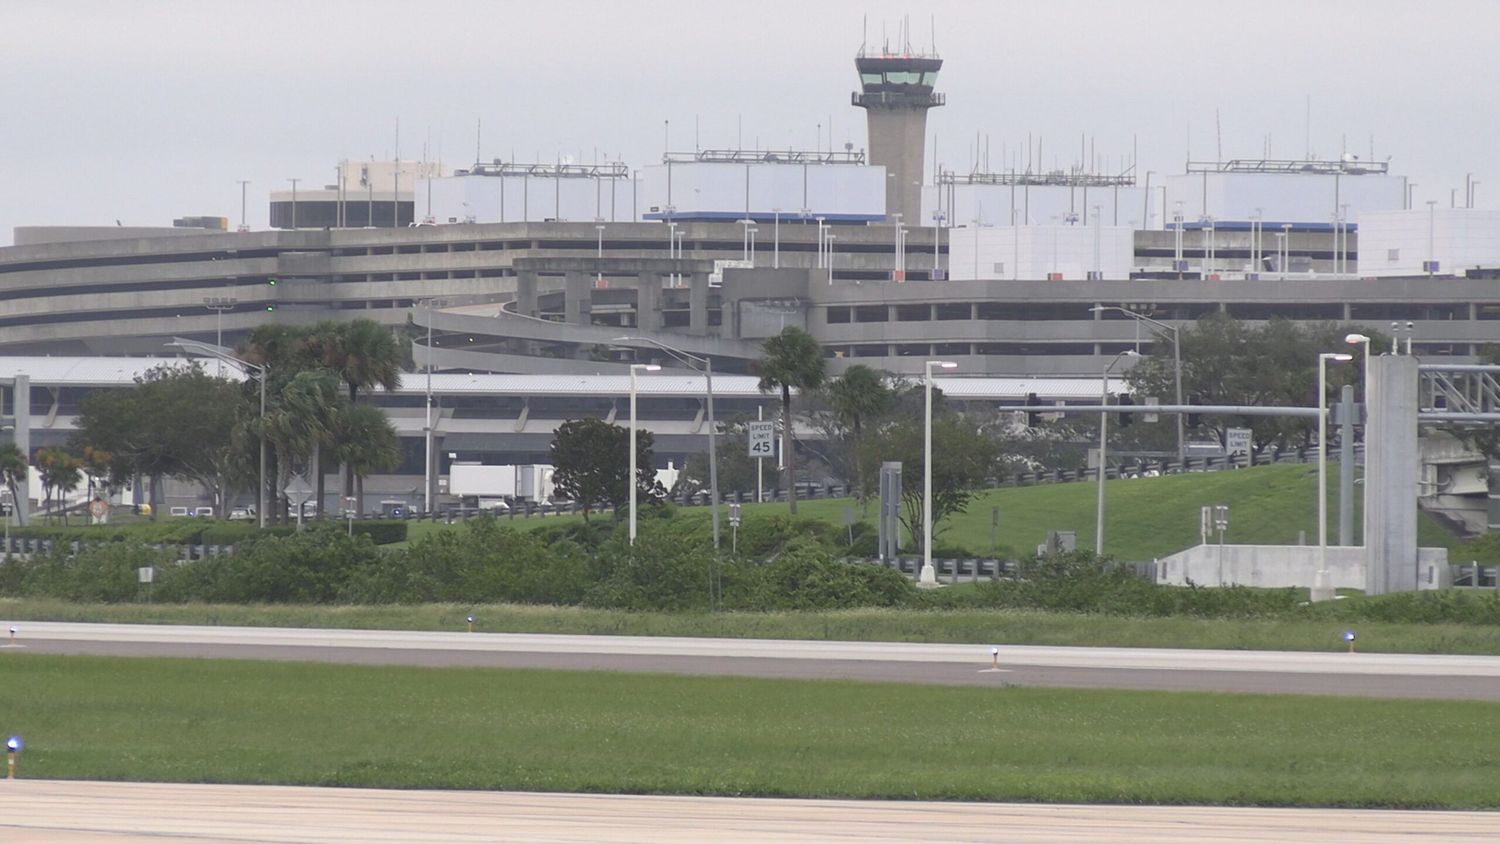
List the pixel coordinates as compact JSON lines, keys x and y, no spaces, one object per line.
{"x":1349,"y":637}
{"x":13,"y":746}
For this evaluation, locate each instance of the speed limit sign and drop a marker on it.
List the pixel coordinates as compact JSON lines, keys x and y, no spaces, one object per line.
{"x":762,"y":439}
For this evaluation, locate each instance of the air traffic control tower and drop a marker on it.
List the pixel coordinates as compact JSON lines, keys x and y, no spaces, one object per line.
{"x":895,"y":90}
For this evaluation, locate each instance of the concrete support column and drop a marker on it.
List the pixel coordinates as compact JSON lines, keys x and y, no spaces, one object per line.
{"x":578,"y":298}
{"x":648,"y":301}
{"x":1391,"y":466}
{"x":526,"y":293}
{"x":20,"y":405}
{"x":698,"y":304}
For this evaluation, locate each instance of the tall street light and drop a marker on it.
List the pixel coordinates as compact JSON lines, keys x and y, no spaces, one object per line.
{"x":1103,"y":435}
{"x":1176,"y":367}
{"x":928,"y":577}
{"x":696,"y":361}
{"x":261,"y":372}
{"x":1364,"y":507}
{"x":1322,"y":590}
{"x":630,"y":473}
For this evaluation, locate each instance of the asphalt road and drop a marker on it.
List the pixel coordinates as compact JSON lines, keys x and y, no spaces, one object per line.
{"x":1373,"y":675}
{"x":53,"y":812}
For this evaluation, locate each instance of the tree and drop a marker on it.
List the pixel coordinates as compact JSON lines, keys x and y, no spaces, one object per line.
{"x":303,"y":422}
{"x":737,"y":469}
{"x":791,"y":360}
{"x":589,"y":459}
{"x":175,"y":422}
{"x":964,"y":454}
{"x":60,"y":474}
{"x":365,"y":442}
{"x":363,"y":354}
{"x":1229,"y":362}
{"x":859,"y":395}
{"x":13,"y":472}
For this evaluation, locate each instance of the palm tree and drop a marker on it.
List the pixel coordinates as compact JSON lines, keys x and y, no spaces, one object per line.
{"x":60,"y":473}
{"x":858,"y":395}
{"x":13,"y":469}
{"x":365,"y":442}
{"x":302,"y":421}
{"x":363,"y":354}
{"x":792,"y":360}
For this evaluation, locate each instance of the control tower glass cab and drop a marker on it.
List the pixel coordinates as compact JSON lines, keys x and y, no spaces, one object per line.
{"x":898,"y":81}
{"x":895,"y":91}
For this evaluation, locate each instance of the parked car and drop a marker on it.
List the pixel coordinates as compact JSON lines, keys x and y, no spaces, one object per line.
{"x":242,"y":514}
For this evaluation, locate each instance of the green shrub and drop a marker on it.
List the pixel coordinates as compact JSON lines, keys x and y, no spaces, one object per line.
{"x":660,"y":572}
{"x":104,"y":572}
{"x":310,"y":567}
{"x":381,"y":531}
{"x":482,"y":562}
{"x":805,"y":576}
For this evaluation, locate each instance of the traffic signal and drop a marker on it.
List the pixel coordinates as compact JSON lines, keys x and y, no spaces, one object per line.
{"x":1033,"y":418}
{"x":1126,"y":418}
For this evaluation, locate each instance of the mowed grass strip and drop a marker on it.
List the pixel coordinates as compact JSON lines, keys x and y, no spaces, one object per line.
{"x":249,"y":722}
{"x":1145,"y":518}
{"x":980,"y":627}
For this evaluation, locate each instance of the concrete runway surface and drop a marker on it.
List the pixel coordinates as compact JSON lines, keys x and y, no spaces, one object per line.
{"x":55,"y":812}
{"x":1331,"y":673}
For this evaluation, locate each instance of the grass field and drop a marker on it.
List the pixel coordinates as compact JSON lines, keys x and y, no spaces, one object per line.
{"x":1015,"y":627}
{"x":1145,"y":518}
{"x":226,"y":721}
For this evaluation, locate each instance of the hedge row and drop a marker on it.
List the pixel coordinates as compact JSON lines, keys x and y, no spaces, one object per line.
{"x":196,"y":532}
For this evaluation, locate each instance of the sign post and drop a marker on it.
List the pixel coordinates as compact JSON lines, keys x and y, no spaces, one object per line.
{"x":298,"y":491}
{"x":1237,"y":441}
{"x":762,"y":439}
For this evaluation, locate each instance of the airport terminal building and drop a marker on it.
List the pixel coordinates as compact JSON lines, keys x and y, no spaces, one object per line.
{"x":540,"y":283}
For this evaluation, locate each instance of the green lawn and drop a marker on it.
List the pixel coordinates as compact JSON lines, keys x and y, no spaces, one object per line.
{"x":1318,"y":630}
{"x":1145,"y":518}
{"x":247,"y":722}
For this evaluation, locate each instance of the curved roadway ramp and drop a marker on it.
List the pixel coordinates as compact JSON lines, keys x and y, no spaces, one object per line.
{"x":54,"y":812}
{"x":1333,"y":673}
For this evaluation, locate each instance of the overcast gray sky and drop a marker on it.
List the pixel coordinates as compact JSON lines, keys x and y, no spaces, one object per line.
{"x":142,"y":111}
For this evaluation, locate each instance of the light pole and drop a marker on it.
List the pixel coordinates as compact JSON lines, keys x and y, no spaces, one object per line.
{"x":1364,"y":506}
{"x":1176,"y":367}
{"x":244,"y":227}
{"x":599,"y":257}
{"x":776,"y":239}
{"x":1322,"y":590}
{"x":1431,"y":236}
{"x":713,"y":451}
{"x":1103,"y":434}
{"x":219,"y":304}
{"x":630,"y":471}
{"x":262,"y":372}
{"x":928,"y":577}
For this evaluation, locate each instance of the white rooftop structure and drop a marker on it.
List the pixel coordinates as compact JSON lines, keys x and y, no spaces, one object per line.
{"x":122,"y":371}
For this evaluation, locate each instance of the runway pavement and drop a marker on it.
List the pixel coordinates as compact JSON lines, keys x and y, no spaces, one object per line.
{"x":54,"y":812}
{"x":1337,"y":673}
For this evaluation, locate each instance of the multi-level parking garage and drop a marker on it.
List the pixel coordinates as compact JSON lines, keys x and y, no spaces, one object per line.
{"x":590,"y":284}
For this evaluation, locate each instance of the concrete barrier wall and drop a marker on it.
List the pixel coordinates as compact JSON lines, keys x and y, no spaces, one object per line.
{"x":1276,"y":566}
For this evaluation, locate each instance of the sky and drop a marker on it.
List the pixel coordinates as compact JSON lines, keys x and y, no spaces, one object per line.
{"x":145,"y":111}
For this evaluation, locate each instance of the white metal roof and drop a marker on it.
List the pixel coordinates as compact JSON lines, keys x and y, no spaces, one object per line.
{"x":121,"y":371}
{"x":92,"y":371}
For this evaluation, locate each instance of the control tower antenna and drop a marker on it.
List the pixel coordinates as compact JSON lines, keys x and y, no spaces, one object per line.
{"x":896,"y":90}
